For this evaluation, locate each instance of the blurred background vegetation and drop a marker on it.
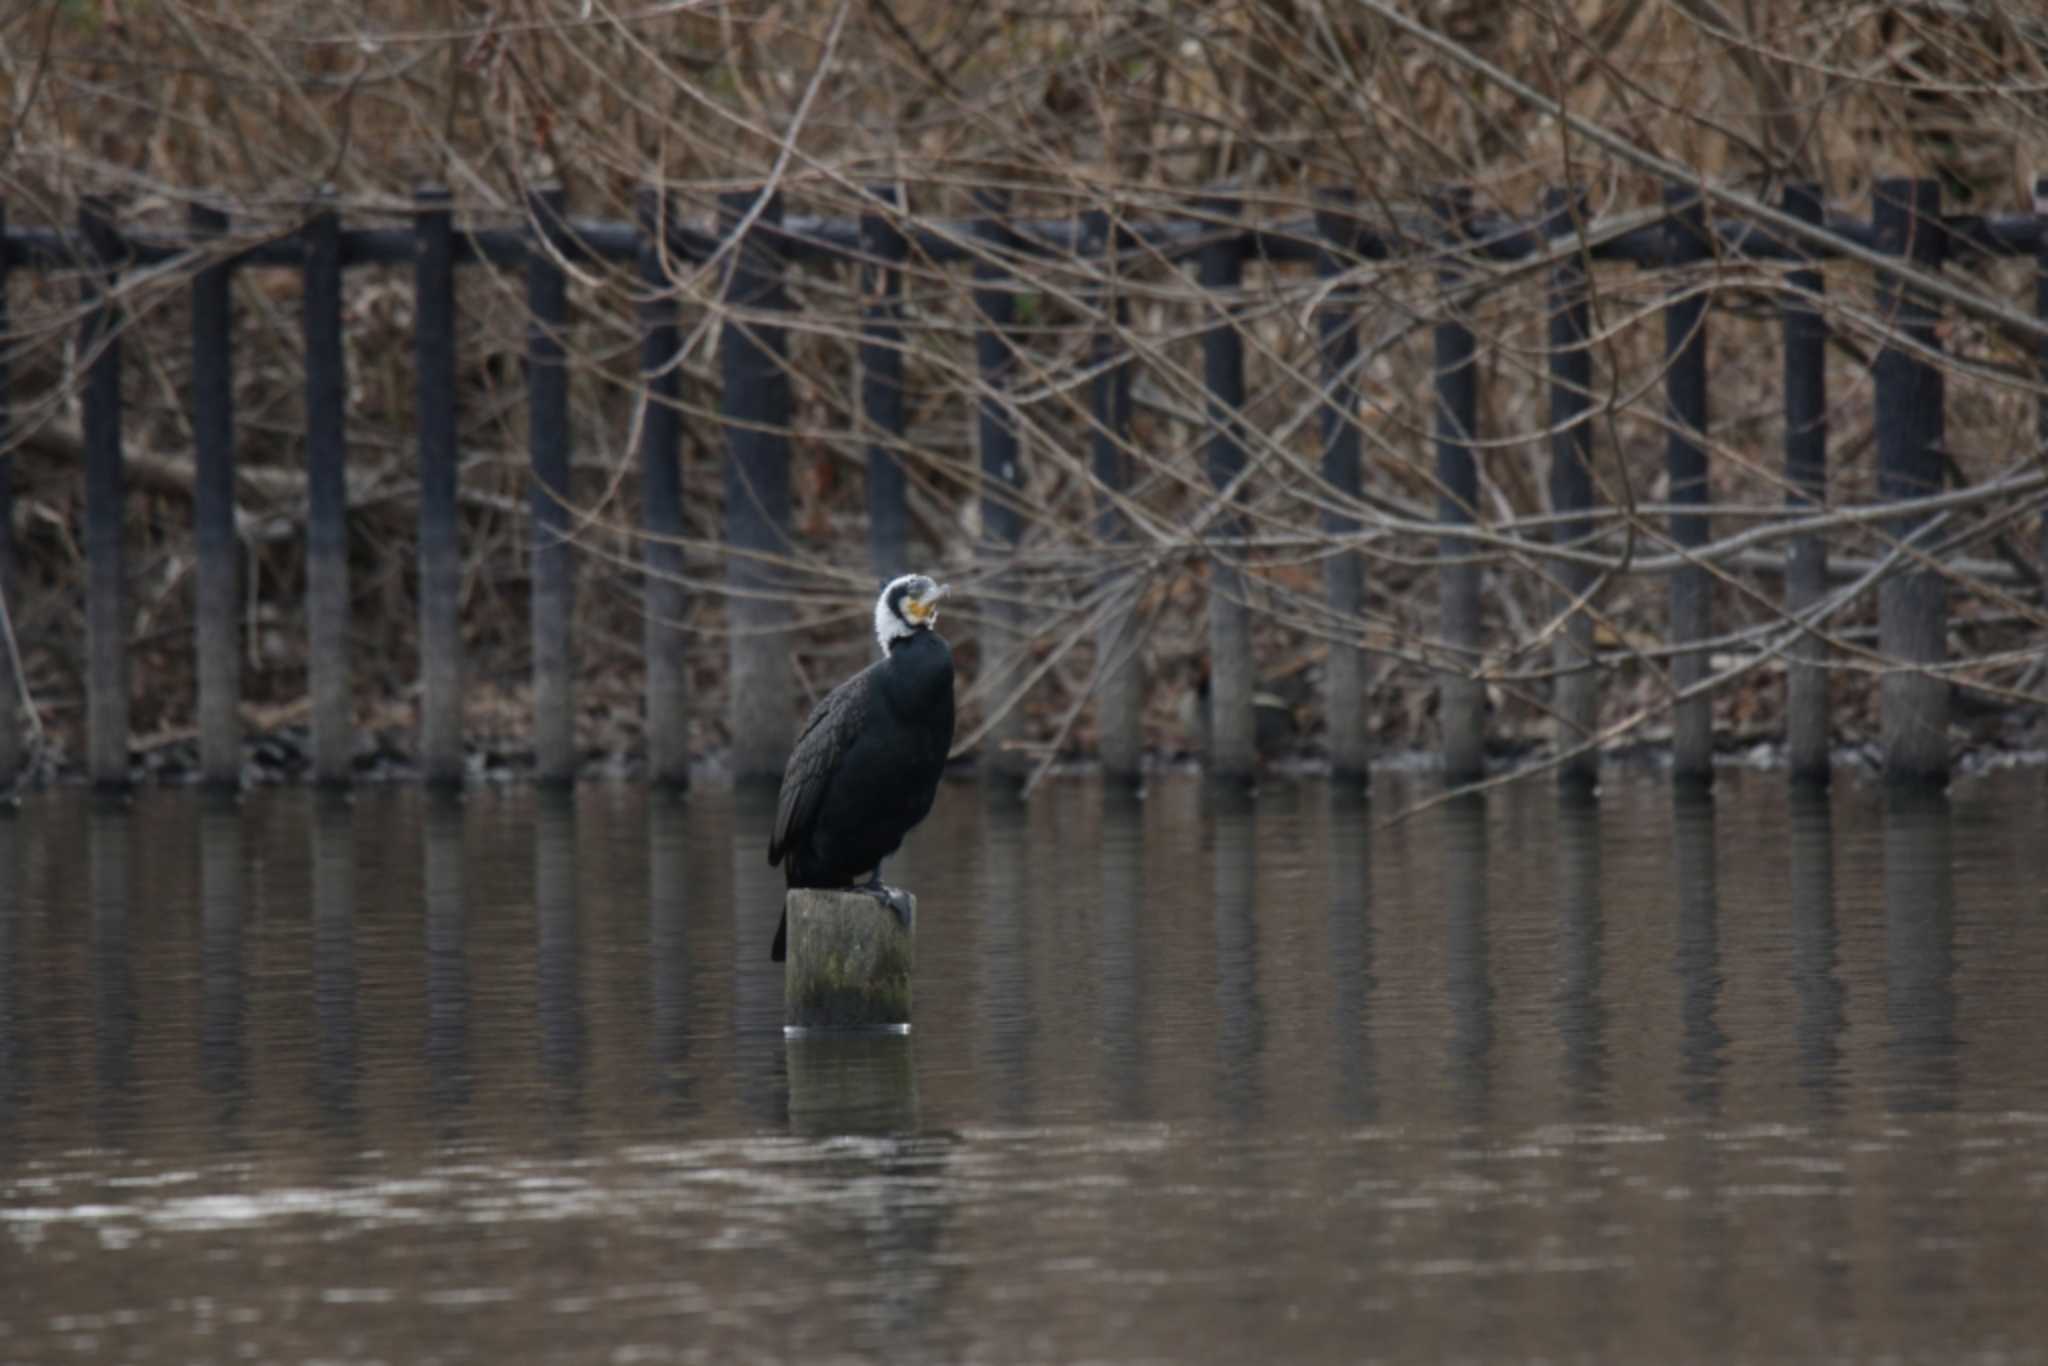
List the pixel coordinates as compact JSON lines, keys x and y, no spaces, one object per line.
{"x":261,"y":106}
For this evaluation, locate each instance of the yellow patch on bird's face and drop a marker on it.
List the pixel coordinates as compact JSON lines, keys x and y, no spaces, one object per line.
{"x":924,"y":610}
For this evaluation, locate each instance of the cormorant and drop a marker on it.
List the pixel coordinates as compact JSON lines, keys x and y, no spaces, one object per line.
{"x":867,"y":765}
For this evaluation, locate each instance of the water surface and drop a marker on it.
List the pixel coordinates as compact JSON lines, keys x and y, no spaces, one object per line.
{"x":1191,"y":1080}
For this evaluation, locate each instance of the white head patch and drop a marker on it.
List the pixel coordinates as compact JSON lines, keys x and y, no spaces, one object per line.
{"x":908,"y":605}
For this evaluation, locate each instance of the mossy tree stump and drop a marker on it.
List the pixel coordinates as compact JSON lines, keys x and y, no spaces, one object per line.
{"x":849,"y":961}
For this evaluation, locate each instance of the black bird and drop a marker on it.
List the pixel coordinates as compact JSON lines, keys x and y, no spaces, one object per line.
{"x":867,"y":765}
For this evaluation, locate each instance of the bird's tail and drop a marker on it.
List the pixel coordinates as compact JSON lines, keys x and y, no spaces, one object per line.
{"x":780,"y":950}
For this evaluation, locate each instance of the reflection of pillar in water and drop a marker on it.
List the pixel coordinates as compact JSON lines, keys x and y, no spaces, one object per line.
{"x":1818,"y":1034}
{"x":334,"y":956}
{"x":1240,"y":1015}
{"x":1578,"y":1009}
{"x":757,"y":983}
{"x":1120,"y":963}
{"x":668,"y":942}
{"x":1919,"y":957}
{"x":561,"y":944}
{"x":1467,"y":985}
{"x":13,"y":1015}
{"x":108,"y":836}
{"x":223,"y":997}
{"x":1698,"y":963}
{"x":1351,"y":949}
{"x":851,"y":1084}
{"x":1007,"y":1011}
{"x":1815,"y":943}
{"x":448,"y":1070}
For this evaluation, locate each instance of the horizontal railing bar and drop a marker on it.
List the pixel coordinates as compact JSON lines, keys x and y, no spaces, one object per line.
{"x":820,"y":240}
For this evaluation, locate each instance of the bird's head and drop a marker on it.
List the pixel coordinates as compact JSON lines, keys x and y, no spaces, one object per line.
{"x":908,"y":605}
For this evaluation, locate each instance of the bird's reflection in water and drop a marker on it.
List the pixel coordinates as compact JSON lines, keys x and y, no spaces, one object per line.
{"x":559,"y":935}
{"x":1816,"y":946}
{"x":1698,"y":962}
{"x":668,"y":941}
{"x":1468,"y":985}
{"x":1120,"y":983}
{"x":223,"y":995}
{"x":1008,"y":1016}
{"x":1578,"y":1007}
{"x":1240,"y":1014}
{"x":447,"y":966}
{"x":334,"y":961}
{"x":757,"y":982}
{"x":1351,"y":951}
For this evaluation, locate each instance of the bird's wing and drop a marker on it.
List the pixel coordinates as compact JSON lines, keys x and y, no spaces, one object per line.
{"x":830,"y":727}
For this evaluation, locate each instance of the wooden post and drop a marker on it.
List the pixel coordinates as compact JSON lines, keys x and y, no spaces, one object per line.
{"x":1219,"y":269}
{"x":440,"y":547}
{"x":1912,"y":603}
{"x":10,"y":684}
{"x":106,"y":615}
{"x":1806,"y":486}
{"x":1002,"y":485}
{"x":1461,"y":707}
{"x":216,"y":609}
{"x":548,"y":439}
{"x":755,"y":400}
{"x":881,"y":384}
{"x":1119,"y":686}
{"x":663,"y":597}
{"x":1575,"y":700}
{"x":1691,"y":601}
{"x":850,"y":961}
{"x":1343,"y":571}
{"x":327,"y":591}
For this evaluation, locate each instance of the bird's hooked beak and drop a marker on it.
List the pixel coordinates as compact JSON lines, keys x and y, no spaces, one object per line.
{"x":923,"y":610}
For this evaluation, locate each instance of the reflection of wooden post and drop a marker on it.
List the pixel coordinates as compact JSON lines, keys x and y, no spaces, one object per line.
{"x":852,"y":1084}
{"x":849,"y":961}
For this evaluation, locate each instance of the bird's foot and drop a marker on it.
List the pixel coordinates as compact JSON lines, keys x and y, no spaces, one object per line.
{"x":895,"y":898}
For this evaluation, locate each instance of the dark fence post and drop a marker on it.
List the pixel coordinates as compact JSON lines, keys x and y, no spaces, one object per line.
{"x":2041,"y":363}
{"x":881,"y":384}
{"x":1119,"y":686}
{"x":440,"y":550}
{"x":99,"y":349}
{"x":1219,"y":267}
{"x":1461,"y":695}
{"x":547,"y":439}
{"x":1575,"y":701}
{"x":327,"y":591}
{"x":10,"y":684}
{"x":216,"y":640}
{"x":754,"y":357}
{"x":1912,"y":603}
{"x":663,"y":597}
{"x":1343,"y":572}
{"x":1806,"y":486}
{"x":1002,"y":483}
{"x":1691,"y":601}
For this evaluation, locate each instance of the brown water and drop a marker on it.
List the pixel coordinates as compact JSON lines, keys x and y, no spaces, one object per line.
{"x":400,"y":1082}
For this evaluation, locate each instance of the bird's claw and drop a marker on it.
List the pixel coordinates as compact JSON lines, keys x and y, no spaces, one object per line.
{"x":895,"y":898}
